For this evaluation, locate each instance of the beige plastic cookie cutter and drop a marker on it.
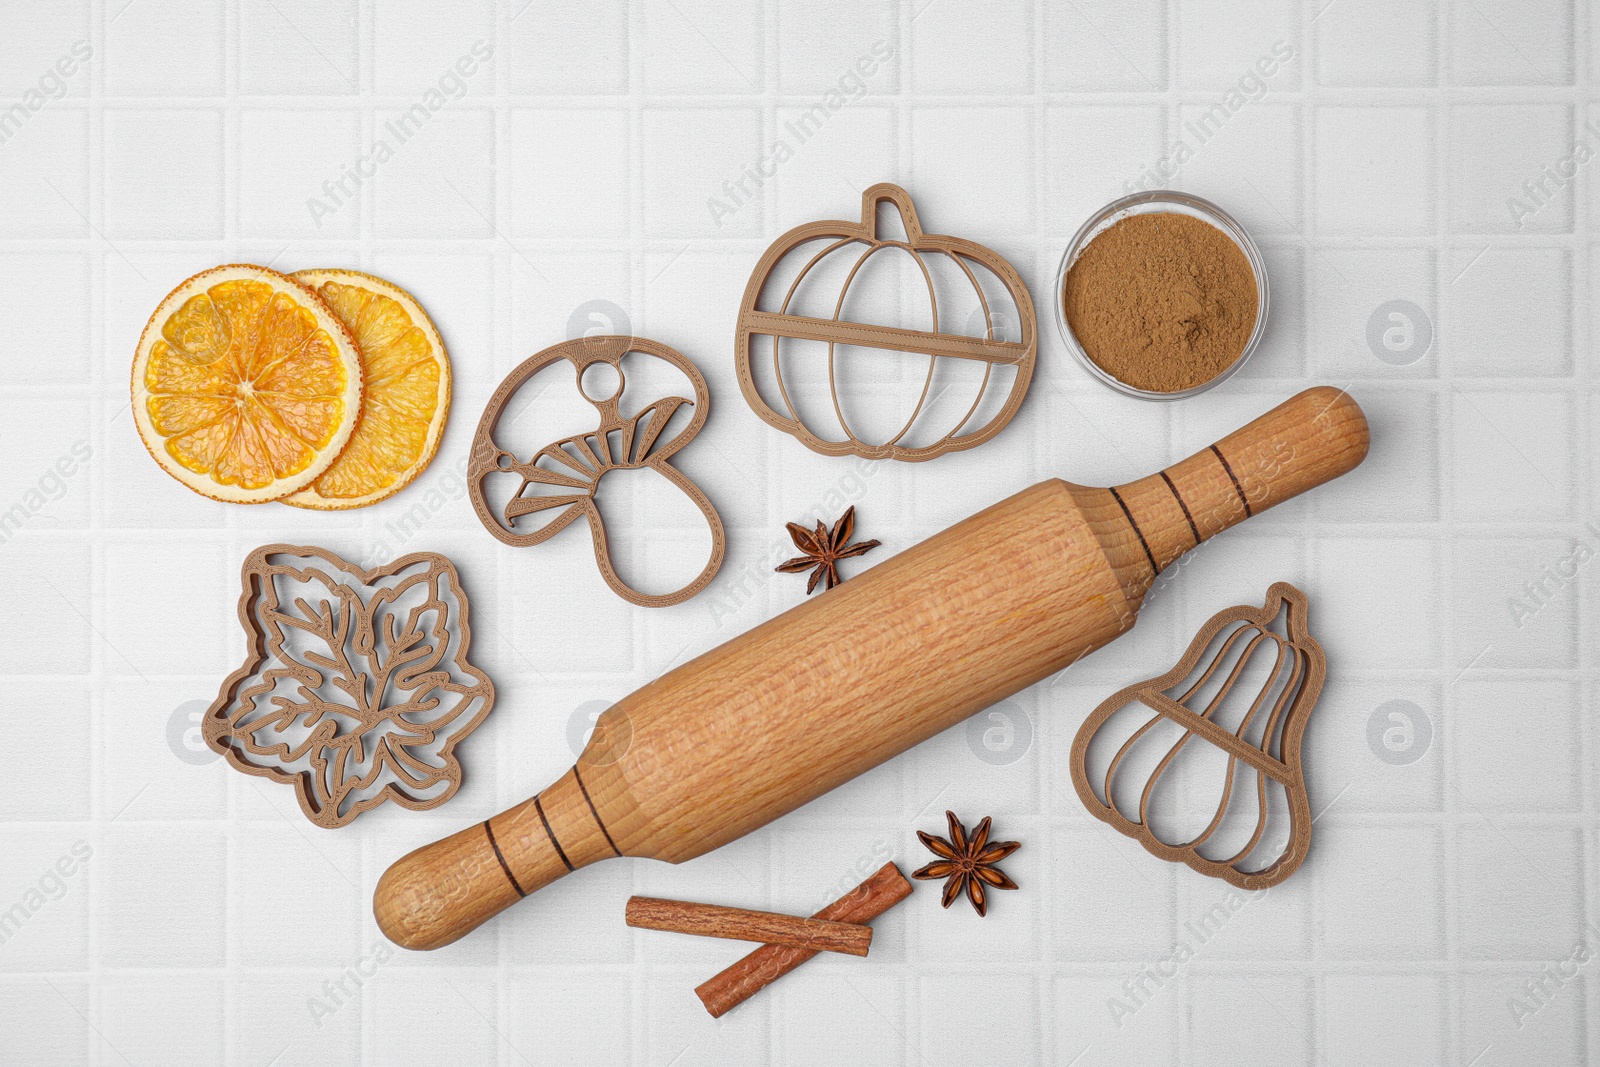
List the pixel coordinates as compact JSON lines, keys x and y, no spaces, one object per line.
{"x":578,"y":464}
{"x":780,"y":323}
{"x":356,"y":687}
{"x":1265,"y":743}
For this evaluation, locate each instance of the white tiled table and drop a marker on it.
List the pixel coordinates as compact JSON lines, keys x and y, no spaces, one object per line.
{"x":1374,"y":165}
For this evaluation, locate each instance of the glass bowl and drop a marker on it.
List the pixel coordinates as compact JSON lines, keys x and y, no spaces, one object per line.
{"x":1144,"y":203}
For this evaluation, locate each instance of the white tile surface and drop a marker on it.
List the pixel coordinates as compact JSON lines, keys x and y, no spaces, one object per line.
{"x":150,"y":195}
{"x":53,"y":777}
{"x":408,"y":49}
{"x":138,"y":1020}
{"x":559,"y":173}
{"x":1374,"y":170}
{"x":440,"y":182}
{"x":1271,"y":1004}
{"x":55,"y":1018}
{"x":38,"y":40}
{"x":1095,"y":154}
{"x":1505,"y":1023}
{"x":46,"y":170}
{"x":559,"y":48}
{"x":1007,"y":1002}
{"x":299,"y":47}
{"x":164,"y":900}
{"x":697,"y":46}
{"x":144,"y":56}
{"x":1213,"y":51}
{"x":44,"y":318}
{"x":1512,"y":312}
{"x":591,"y":197}
{"x":1378,"y":43}
{"x":1122,"y":45}
{"x":813,"y":62}
{"x":954,"y":53}
{"x":1503,"y":729}
{"x":289,"y":153}
{"x":1506,"y":42}
{"x":1251,"y":158}
{"x":1537,"y":901}
{"x":1387,"y":1016}
{"x":966,"y":145}
{"x":1498,"y":158}
{"x":1357,"y":332}
{"x":692,"y":158}
{"x":1387,"y":868}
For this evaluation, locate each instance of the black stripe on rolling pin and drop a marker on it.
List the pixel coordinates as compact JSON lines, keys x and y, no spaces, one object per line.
{"x":504,"y":866}
{"x":1154,"y":570}
{"x":1237,"y":488}
{"x":1187,"y":517}
{"x":592,"y":811}
{"x":538,"y":807}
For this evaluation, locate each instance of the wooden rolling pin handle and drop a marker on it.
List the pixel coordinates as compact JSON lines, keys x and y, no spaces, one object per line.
{"x":440,"y":892}
{"x":1311,"y":438}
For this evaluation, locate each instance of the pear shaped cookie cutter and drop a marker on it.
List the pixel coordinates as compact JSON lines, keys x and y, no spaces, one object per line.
{"x":1294,"y":684}
{"x":573,"y":467}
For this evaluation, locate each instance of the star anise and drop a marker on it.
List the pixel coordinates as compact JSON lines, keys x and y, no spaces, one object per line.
{"x":823,"y":549}
{"x":967,"y":863}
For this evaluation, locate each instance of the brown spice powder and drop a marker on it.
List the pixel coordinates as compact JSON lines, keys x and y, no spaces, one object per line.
{"x":1162,"y":301}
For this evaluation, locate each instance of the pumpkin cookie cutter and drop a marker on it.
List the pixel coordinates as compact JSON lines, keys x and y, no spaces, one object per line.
{"x":1294,"y":684}
{"x":356,"y":687}
{"x":755,"y":323}
{"x":578,"y":463}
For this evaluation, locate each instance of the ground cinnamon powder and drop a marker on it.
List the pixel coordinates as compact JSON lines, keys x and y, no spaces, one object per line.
{"x":1162,"y":301}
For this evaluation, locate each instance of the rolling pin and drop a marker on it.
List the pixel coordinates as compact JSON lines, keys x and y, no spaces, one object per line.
{"x":806,"y":701}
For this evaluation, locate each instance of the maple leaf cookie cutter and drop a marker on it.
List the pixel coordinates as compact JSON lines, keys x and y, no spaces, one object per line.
{"x":1265,"y":741}
{"x":575,"y":466}
{"x":356,"y":687}
{"x":758,"y":324}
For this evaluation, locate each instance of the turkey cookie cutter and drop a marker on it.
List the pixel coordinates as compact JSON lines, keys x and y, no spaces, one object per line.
{"x":578,"y":463}
{"x":356,"y":687}
{"x":755,"y":323}
{"x":1298,"y":654}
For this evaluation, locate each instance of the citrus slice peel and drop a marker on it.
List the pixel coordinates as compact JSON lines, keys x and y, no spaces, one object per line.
{"x":245,"y":385}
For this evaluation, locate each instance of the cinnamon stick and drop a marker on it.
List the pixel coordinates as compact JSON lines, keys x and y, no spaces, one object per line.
{"x":738,"y":983}
{"x":741,"y":924}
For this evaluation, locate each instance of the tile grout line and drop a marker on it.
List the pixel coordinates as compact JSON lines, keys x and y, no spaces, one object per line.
{"x":366,"y":220}
{"x":771,"y":79}
{"x":1311,"y":224}
{"x":900,"y":166}
{"x":638,"y":986}
{"x":1185,"y":1034}
{"x":1049,"y":1039}
{"x":95,"y":889}
{"x":1444,"y":415}
{"x":232,"y":171}
{"x":1582,"y":282}
{"x":500,"y":197}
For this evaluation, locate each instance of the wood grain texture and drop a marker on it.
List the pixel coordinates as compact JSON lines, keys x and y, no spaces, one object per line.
{"x":808,"y":700}
{"x":743,"y":924}
{"x":734,"y":985}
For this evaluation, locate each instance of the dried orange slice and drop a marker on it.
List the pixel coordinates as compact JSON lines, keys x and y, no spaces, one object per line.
{"x":246,"y":386}
{"x":407,"y":374}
